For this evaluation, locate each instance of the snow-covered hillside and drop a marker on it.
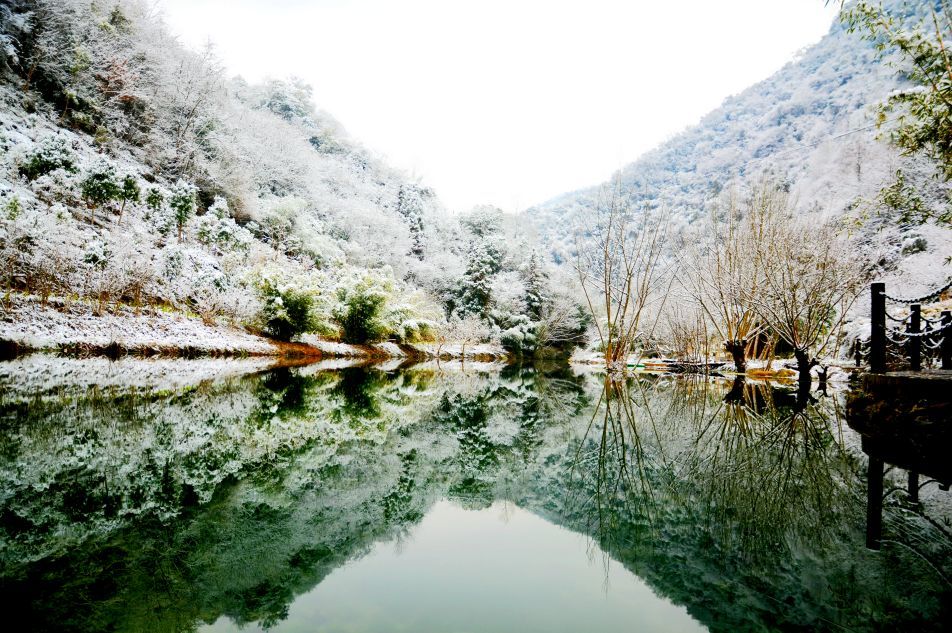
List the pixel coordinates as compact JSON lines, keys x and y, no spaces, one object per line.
{"x":134,"y":173}
{"x":809,"y":128}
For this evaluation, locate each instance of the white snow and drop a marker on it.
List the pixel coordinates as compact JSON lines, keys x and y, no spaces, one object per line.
{"x":40,"y":375}
{"x":30,"y":324}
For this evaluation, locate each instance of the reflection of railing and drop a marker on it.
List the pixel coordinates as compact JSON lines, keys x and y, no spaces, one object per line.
{"x":893,"y":452}
{"x":914,"y":334}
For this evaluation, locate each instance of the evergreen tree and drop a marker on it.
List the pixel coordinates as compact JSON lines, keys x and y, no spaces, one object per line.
{"x":536,"y":280}
{"x":182,"y":202}
{"x":483,"y":261}
{"x":129,"y":192}
{"x":154,"y":200}
{"x":410,"y":206}
{"x":99,"y":188}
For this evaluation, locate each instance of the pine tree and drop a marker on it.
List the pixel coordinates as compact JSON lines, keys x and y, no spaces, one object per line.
{"x":99,"y":188}
{"x":410,"y":206}
{"x":483,"y":261}
{"x":129,"y":192}
{"x":182,"y":202}
{"x":536,"y":280}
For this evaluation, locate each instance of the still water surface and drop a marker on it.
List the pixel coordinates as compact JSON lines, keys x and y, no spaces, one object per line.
{"x":220,"y":495}
{"x":494,"y":569}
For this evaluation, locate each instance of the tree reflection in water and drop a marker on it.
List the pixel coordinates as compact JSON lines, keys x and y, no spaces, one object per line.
{"x":686,"y":481}
{"x":161,"y":508}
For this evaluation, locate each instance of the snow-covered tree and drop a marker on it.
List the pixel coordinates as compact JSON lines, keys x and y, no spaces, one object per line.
{"x":410,"y":206}
{"x":474,"y":293}
{"x":536,"y":282}
{"x":182,"y":203}
{"x":100,"y":187}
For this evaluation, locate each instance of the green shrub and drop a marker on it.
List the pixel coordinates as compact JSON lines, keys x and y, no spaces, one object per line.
{"x":291,"y":314}
{"x":154,"y":200}
{"x":373,"y":306}
{"x":217,"y":229}
{"x":14,"y":208}
{"x":289,"y":310}
{"x":50,"y":154}
{"x":360,"y":310}
{"x":100,"y":187}
{"x":520,"y":336}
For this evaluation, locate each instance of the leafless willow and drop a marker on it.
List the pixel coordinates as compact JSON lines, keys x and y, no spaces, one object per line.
{"x":721,"y":276}
{"x":809,"y":277}
{"x":624,"y":273}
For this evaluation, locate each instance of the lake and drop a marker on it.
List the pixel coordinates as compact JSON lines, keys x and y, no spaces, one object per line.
{"x":226,"y":495}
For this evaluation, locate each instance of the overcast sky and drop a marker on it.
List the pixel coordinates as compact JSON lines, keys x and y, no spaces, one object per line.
{"x":507,"y":102}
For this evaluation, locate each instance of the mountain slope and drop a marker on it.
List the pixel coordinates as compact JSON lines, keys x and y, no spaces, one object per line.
{"x":809,"y":128}
{"x":134,"y":174}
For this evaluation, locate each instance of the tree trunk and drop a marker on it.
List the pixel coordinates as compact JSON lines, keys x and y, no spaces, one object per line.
{"x":736,"y":394}
{"x":738,"y":351}
{"x":823,"y":377}
{"x":804,"y":365}
{"x":803,"y":397}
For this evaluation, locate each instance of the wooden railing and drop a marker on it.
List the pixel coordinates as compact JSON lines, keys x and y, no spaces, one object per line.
{"x":914,"y":334}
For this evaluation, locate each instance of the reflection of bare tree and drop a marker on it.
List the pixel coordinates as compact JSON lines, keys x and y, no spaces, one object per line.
{"x":770,"y":471}
{"x":611,"y":465}
{"x":759,"y":469}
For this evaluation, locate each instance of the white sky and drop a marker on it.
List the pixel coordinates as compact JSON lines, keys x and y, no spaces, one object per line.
{"x":507,"y":102}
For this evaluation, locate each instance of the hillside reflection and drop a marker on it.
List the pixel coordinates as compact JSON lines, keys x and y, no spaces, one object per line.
{"x":146,"y":506}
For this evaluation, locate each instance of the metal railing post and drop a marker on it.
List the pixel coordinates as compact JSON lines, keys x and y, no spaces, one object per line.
{"x":877,"y":333}
{"x":874,"y":502}
{"x":914,"y":344}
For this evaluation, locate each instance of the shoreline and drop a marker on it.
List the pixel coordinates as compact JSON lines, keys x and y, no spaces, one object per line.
{"x":72,"y":329}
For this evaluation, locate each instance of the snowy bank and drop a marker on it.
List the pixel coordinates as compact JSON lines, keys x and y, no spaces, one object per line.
{"x":417,"y":351}
{"x":26,"y":324}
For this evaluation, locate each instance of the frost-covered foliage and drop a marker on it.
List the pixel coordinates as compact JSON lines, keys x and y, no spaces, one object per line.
{"x":135,"y":173}
{"x":811,"y":128}
{"x":217,"y":229}
{"x":372,"y":306}
{"x":52,"y":153}
{"x":100,"y":187}
{"x":411,"y":205}
{"x":291,"y":306}
{"x":508,"y":283}
{"x":918,"y":117}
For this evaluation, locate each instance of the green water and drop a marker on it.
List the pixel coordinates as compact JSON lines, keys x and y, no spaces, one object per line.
{"x":219,"y":496}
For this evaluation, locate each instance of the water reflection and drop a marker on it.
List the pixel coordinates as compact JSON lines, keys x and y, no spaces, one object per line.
{"x":153,"y":503}
{"x":907,"y":442}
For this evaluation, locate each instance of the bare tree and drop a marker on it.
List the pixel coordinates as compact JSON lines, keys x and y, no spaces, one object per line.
{"x":810,"y":277}
{"x":721,"y":276}
{"x":466,"y":331}
{"x":623,"y":272}
{"x":562,"y":323}
{"x":688,"y":335}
